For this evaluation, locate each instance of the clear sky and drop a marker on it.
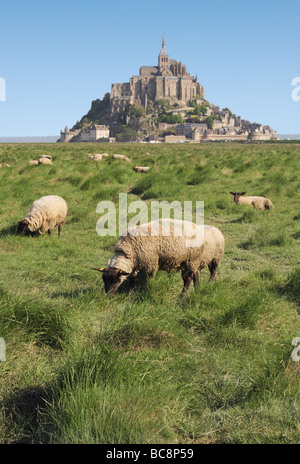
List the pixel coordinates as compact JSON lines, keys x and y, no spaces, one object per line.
{"x":58,"y":56}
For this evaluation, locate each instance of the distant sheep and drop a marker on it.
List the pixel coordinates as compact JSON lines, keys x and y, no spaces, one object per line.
{"x":138,"y":251}
{"x":44,"y":214}
{"x":257,"y":202}
{"x":33,"y":162}
{"x":45,"y":161}
{"x":141,"y":168}
{"x":97,"y":157}
{"x":4,"y":165}
{"x":122,"y":157}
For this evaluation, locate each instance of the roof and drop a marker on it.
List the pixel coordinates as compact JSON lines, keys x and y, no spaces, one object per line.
{"x":163,"y":51}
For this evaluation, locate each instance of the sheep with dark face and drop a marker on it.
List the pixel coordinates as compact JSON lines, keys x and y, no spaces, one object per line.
{"x":158,"y":246}
{"x":44,"y":214}
{"x":257,"y":202}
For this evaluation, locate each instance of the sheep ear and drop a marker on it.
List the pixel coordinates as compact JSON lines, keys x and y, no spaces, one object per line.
{"x":232,"y":193}
{"x":243,"y":193}
{"x":100,"y":269}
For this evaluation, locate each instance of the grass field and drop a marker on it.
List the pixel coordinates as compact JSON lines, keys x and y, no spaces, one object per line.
{"x":149,"y":366}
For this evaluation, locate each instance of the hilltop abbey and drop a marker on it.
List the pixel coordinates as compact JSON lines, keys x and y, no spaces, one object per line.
{"x":169,"y":79}
{"x":194,"y":118}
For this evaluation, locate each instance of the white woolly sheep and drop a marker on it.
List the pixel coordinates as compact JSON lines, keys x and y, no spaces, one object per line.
{"x":159,"y":246}
{"x":44,"y":214}
{"x":141,"y":168}
{"x":122,"y":157}
{"x":98,"y":157}
{"x":257,"y":202}
{"x":33,"y":162}
{"x":45,"y":161}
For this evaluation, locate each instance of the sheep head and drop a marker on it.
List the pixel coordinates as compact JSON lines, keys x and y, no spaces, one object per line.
{"x":237,"y":195}
{"x":23,"y":227}
{"x":112,"y":279}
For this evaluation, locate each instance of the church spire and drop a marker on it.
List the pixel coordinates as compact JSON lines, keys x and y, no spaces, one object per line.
{"x":163,"y":57}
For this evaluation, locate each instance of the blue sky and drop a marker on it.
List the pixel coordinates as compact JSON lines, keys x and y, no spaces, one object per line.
{"x":58,"y":56}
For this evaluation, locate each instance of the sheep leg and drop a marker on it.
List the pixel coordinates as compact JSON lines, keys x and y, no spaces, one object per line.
{"x":49,"y":232}
{"x":196,"y":279}
{"x":187,"y":282}
{"x":212,"y":269}
{"x":59,"y":229}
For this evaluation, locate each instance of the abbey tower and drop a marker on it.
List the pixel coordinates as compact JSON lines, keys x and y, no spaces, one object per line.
{"x":168,"y":80}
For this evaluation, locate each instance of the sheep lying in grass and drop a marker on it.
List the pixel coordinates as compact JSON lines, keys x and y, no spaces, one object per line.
{"x":122,"y":157}
{"x":33,"y":162}
{"x":137,"y":250}
{"x":256,"y":202}
{"x":97,"y":157}
{"x":141,"y":168}
{"x":44,"y":214}
{"x":45,"y":161}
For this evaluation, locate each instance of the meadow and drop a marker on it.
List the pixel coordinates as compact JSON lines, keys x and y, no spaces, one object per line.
{"x":149,"y":366}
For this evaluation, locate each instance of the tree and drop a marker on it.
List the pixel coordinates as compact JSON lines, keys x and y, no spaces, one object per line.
{"x":170,"y":118}
{"x":210,"y":122}
{"x":126,"y":134}
{"x":227,"y":109}
{"x":136,"y":111}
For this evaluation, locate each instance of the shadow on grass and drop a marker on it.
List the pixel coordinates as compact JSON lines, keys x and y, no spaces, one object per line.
{"x":291,"y":288}
{"x":138,"y":286}
{"x":10,"y":230}
{"x":25,"y":408}
{"x":74,"y":293}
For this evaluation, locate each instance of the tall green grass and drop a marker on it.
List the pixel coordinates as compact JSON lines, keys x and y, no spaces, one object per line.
{"x":150,"y":366}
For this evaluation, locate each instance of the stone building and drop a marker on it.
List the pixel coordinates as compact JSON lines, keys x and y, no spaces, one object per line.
{"x":94,"y":133}
{"x":168,"y":80}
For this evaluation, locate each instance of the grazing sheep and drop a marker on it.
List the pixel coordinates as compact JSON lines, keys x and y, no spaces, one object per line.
{"x":122,"y":157}
{"x":137,"y":250}
{"x":44,"y":214}
{"x":256,"y":202}
{"x":45,"y":161}
{"x":33,"y":162}
{"x":141,"y":168}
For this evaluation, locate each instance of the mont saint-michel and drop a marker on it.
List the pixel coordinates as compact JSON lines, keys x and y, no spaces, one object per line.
{"x":162,"y":103}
